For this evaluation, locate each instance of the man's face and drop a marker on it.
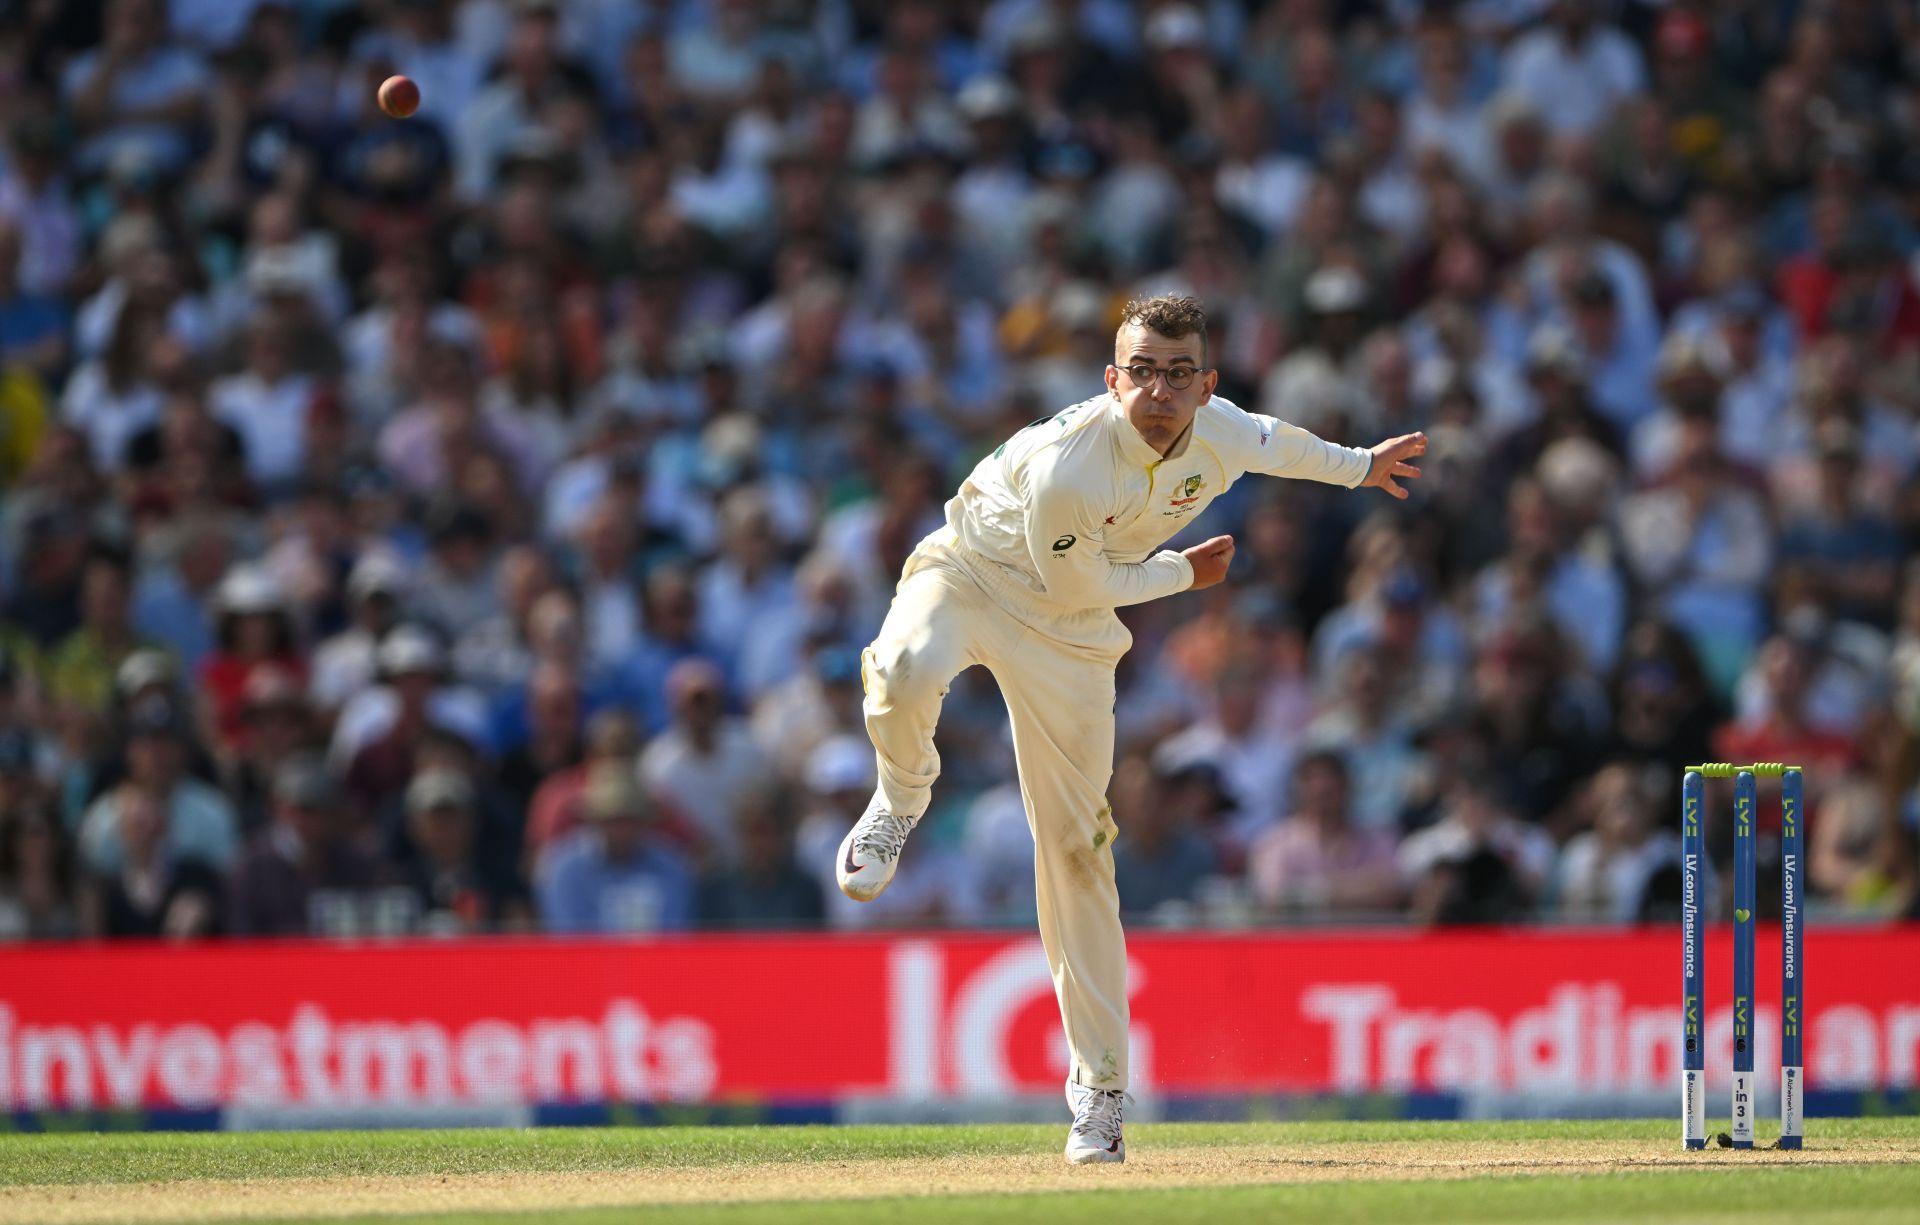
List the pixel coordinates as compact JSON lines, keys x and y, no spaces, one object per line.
{"x":1159,"y":411}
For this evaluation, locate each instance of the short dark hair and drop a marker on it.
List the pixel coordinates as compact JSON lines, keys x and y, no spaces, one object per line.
{"x":1171,"y":315}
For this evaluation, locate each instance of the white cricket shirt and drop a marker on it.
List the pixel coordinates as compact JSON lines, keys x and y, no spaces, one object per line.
{"x":1075,"y":507}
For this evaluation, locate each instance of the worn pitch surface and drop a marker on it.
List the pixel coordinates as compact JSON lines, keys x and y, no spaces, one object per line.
{"x":1852,"y":1170}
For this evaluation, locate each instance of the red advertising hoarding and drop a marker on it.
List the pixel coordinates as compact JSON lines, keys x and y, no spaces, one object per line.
{"x":789,"y":1019}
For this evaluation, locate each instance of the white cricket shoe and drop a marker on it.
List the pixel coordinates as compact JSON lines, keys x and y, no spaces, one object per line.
{"x":870,"y":852}
{"x":1096,"y":1125}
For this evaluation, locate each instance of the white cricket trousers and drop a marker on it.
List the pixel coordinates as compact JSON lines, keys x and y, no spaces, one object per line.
{"x":1058,"y":682}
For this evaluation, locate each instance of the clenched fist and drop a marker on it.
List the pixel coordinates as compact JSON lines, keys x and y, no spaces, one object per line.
{"x":1210,"y":561}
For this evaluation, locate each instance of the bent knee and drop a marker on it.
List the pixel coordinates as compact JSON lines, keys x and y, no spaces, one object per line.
{"x":896,"y":674}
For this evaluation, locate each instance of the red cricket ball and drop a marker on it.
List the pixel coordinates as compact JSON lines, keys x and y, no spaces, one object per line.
{"x":399,"y":96}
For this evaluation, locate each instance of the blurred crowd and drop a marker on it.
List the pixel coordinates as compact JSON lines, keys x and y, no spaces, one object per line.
{"x":473,"y":522}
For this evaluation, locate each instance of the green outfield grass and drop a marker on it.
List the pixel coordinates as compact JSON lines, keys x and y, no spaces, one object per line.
{"x":1856,"y":1170}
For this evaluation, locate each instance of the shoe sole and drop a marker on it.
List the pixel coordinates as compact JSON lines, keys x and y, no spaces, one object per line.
{"x":846,"y":883}
{"x":1097,"y":1157}
{"x":860,"y":896}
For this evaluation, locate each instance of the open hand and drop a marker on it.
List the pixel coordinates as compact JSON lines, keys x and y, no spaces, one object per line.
{"x":1389,"y":461}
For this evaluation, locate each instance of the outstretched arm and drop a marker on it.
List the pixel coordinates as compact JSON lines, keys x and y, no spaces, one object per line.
{"x":1274,"y":447}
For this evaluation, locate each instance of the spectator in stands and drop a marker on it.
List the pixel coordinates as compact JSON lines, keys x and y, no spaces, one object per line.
{"x":705,"y":763}
{"x":381,"y":754}
{"x":175,"y":593}
{"x":36,"y":874}
{"x":1841,"y":541}
{"x":455,"y":889}
{"x":1663,"y":709}
{"x":276,"y":726}
{"x":303,"y":874}
{"x":1367,"y":727}
{"x":157,"y":888}
{"x":346,"y":664}
{"x":1251,"y":760}
{"x":1606,"y":870}
{"x":1574,"y":68}
{"x":196,"y":822}
{"x":554,"y":810}
{"x":1541,"y":718}
{"x":766,"y":889}
{"x":1160,"y":859}
{"x":550,"y":741}
{"x":135,"y":96}
{"x":1782,"y":729}
{"x":1477,"y":864}
{"x":1315,"y":861}
{"x":256,"y":633}
{"x":614,"y":874}
{"x":79,"y":671}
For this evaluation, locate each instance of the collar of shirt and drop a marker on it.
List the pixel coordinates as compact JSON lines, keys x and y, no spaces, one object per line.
{"x":1136,"y":448}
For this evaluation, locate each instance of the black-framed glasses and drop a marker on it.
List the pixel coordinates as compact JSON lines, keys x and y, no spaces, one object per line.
{"x":1178,"y":377}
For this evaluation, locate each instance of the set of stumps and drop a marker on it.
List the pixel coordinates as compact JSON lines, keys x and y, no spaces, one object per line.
{"x":1693,"y":1075}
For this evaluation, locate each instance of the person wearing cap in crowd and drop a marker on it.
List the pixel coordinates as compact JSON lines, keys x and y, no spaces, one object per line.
{"x":256,"y":632}
{"x":380,"y":736}
{"x":456,"y":887}
{"x":1690,"y":386}
{"x":347,"y":663}
{"x":764,"y":888}
{"x":198,"y":821}
{"x":277,"y":724}
{"x":94,"y":754}
{"x":614,"y":873}
{"x":303,"y":873}
{"x":1845,"y":545}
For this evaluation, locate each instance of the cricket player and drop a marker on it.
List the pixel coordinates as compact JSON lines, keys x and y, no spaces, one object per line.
{"x":1052,"y":532}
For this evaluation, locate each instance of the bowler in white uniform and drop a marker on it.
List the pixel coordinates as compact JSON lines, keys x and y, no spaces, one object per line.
{"x":1053,"y":531}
